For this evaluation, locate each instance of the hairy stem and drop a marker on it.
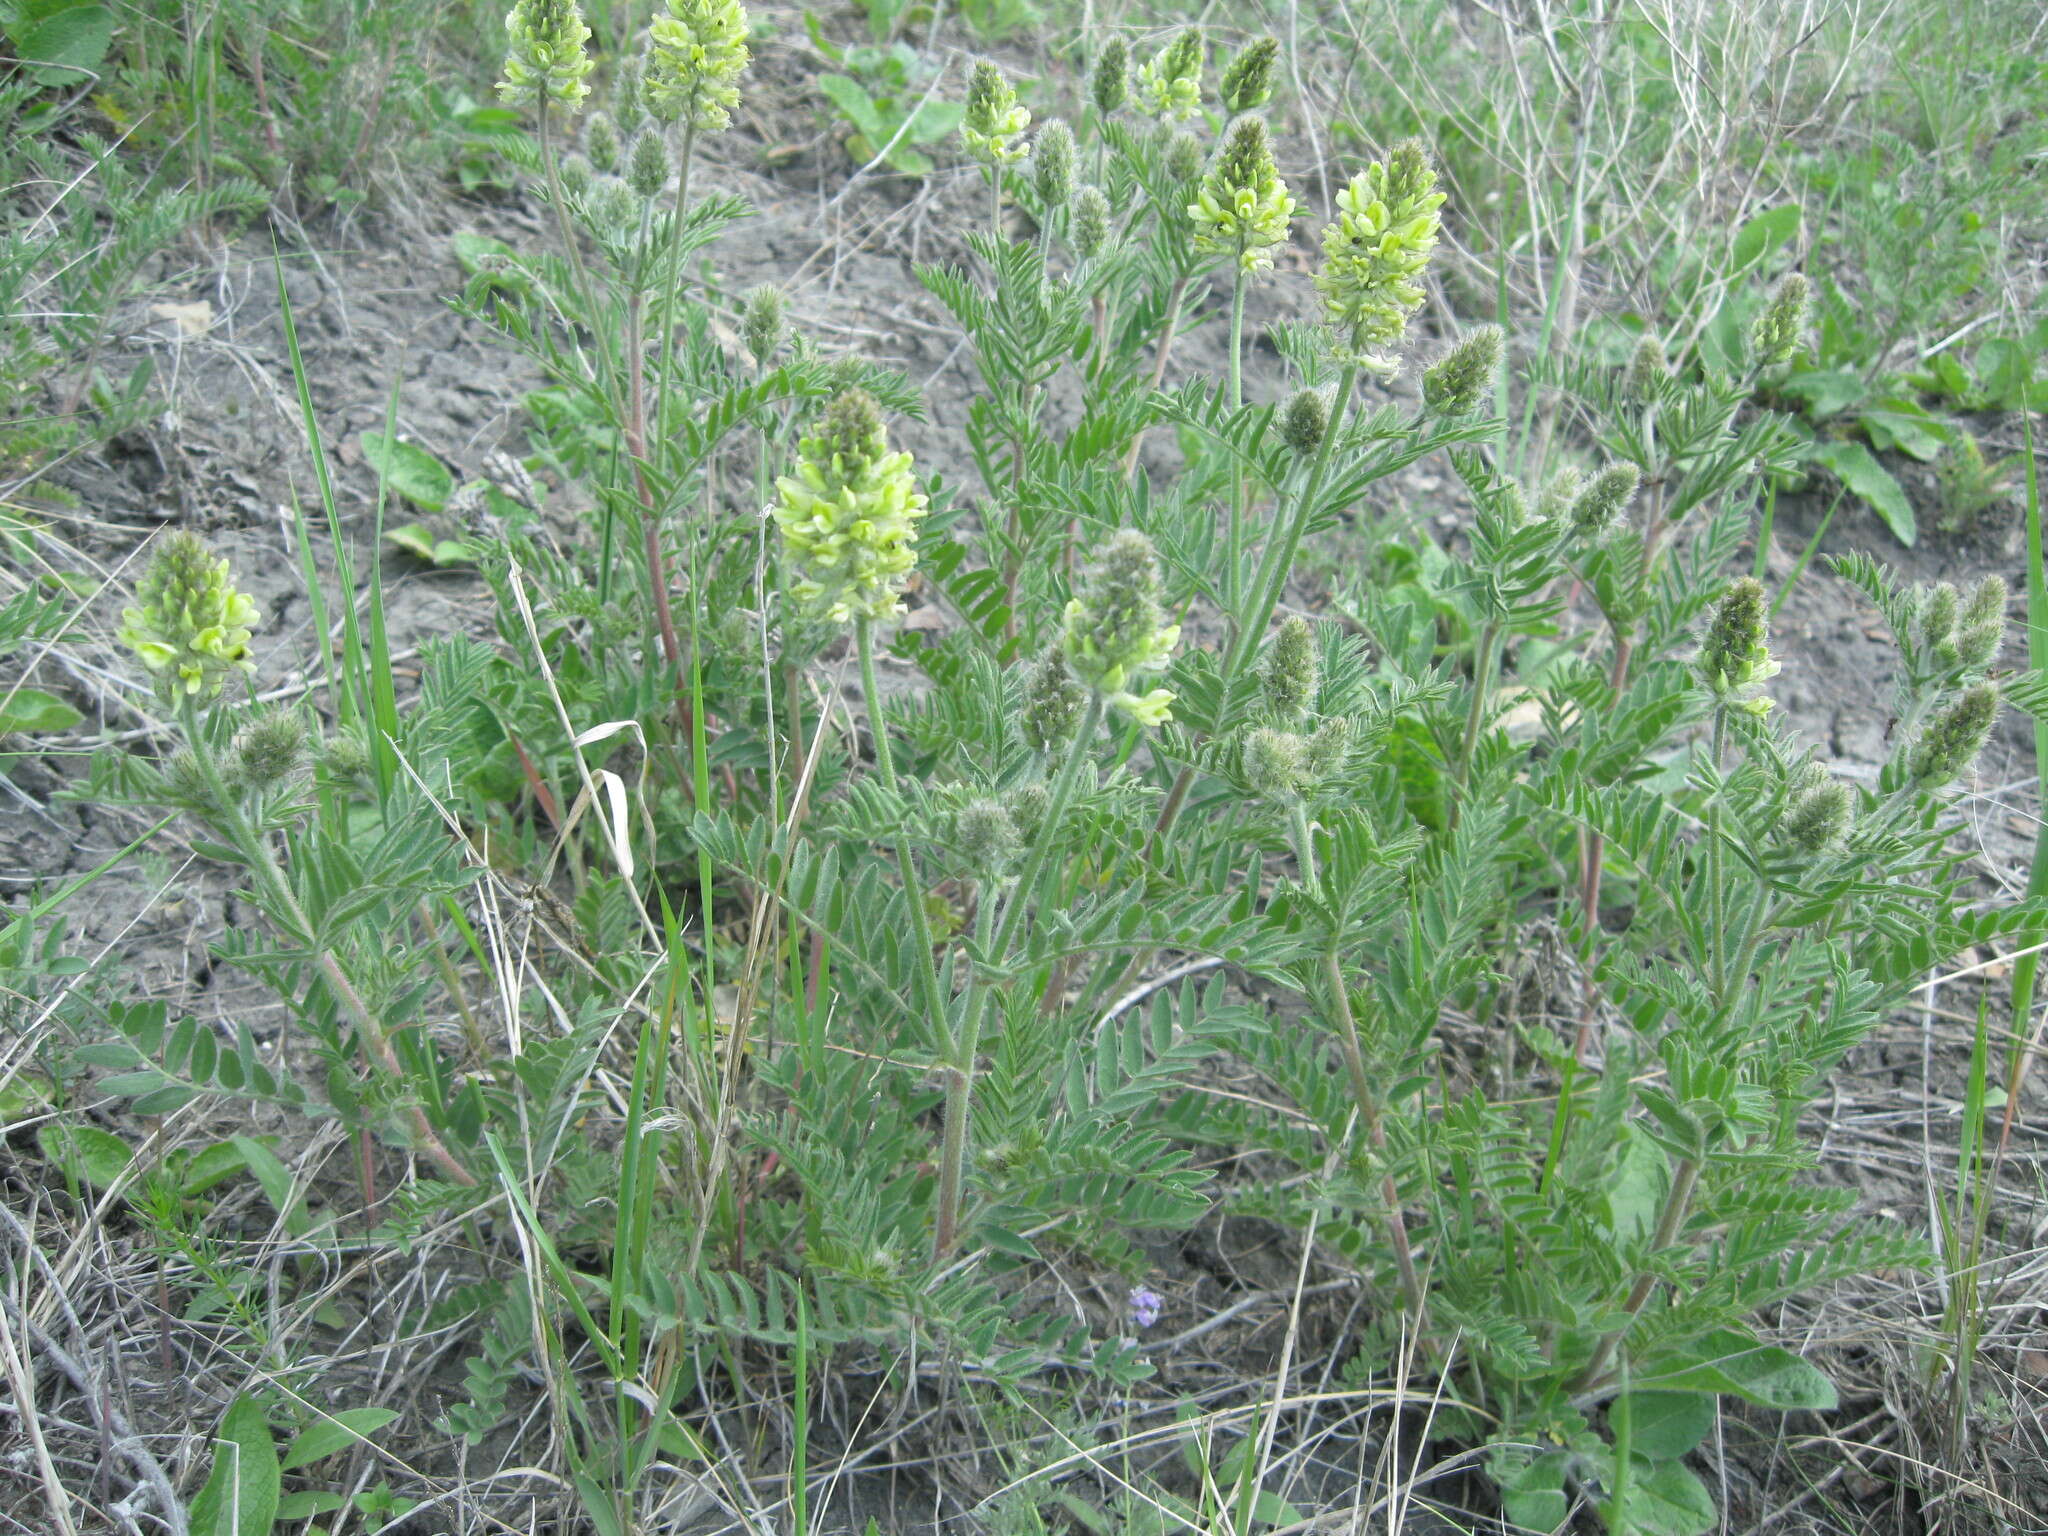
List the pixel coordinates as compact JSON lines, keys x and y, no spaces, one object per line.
{"x":1174,"y":298}
{"x":270,"y":877}
{"x":1683,"y":1179}
{"x":1376,"y":1135}
{"x":913,"y":888}
{"x":1277,"y":560}
{"x":1233,"y":569}
{"x":960,"y":1082}
{"x":1717,"y":896}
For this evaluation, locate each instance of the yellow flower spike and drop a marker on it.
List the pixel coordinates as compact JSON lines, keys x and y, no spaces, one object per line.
{"x":545,"y":57}
{"x":1170,"y":82}
{"x":1377,"y":248}
{"x":849,"y":515}
{"x":993,"y":124}
{"x":190,"y":626}
{"x":1115,"y":630}
{"x":695,"y":56}
{"x":1243,"y":207}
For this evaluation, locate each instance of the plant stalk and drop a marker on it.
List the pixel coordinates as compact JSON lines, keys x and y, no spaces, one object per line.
{"x":271,"y":877}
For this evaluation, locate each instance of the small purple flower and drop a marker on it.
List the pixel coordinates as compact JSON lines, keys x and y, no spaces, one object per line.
{"x":1145,"y":1305}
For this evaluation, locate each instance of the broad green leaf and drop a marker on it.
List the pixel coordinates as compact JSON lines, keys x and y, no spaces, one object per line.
{"x":1535,"y":1498}
{"x":36,"y":712}
{"x":855,"y":105}
{"x":1636,"y":1192}
{"x":1902,"y":426}
{"x":2006,"y":368}
{"x":67,"y":46}
{"x":934,"y":120}
{"x":1726,"y":1361}
{"x":1767,"y":232}
{"x":1858,"y":469}
{"x":309,"y":1502}
{"x":208,"y":1167}
{"x":1825,"y":391}
{"x":1665,"y":1425}
{"x":240,"y":1496}
{"x":85,"y":1153}
{"x":270,"y":1172}
{"x":338,"y":1433}
{"x":1664,"y":1498}
{"x":409,"y":470}
{"x":419,"y":540}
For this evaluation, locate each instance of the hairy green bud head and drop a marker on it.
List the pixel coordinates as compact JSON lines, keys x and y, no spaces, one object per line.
{"x":697,"y":51}
{"x":629,"y":97}
{"x":611,"y":209}
{"x":186,"y":780}
{"x":1646,"y":372}
{"x":1954,"y":737}
{"x":1780,"y":331}
{"x":1601,"y":501}
{"x":1110,"y":84}
{"x":545,"y":57}
{"x":1052,"y":701}
{"x":1375,"y":252}
{"x":345,"y":759}
{"x":1978,"y":645}
{"x":1328,"y":748}
{"x":1275,"y":763}
{"x":1554,"y":502}
{"x":1304,"y":420}
{"x":268,"y":750}
{"x":1936,"y":621}
{"x":1116,"y":630}
{"x":1053,"y":159}
{"x":647,"y":165}
{"x":1028,"y":805}
{"x":602,"y":144}
{"x":189,"y":626}
{"x":1960,"y":635}
{"x":1457,"y":384}
{"x":988,"y":837}
{"x":1089,"y":224}
{"x":1288,"y":678}
{"x":763,"y":326}
{"x":1734,"y":658}
{"x":1243,"y":207}
{"x":993,"y":124}
{"x":1818,"y":817}
{"x":577,"y":176}
{"x":1170,"y":82}
{"x":1987,"y":603}
{"x":1183,"y":156}
{"x":1248,"y":82}
{"x":849,"y":515}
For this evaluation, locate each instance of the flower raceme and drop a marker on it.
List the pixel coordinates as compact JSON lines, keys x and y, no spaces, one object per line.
{"x":190,"y":626}
{"x":1378,"y":246}
{"x":545,"y":57}
{"x":1734,"y":660}
{"x":1116,"y":630}
{"x":849,"y":515}
{"x":1170,"y":82}
{"x":993,"y":124}
{"x":1243,"y":206}
{"x":694,"y":58}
